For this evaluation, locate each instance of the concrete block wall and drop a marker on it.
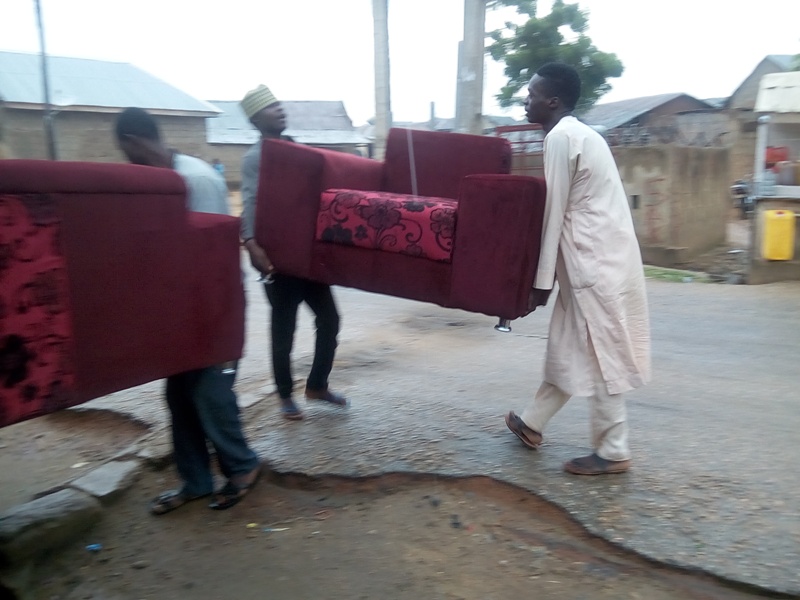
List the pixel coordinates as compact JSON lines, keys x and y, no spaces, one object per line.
{"x":89,"y":136}
{"x":679,"y":198}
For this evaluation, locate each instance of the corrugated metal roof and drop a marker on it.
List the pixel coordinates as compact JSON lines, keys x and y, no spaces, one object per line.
{"x":312,"y":122}
{"x":616,"y":114}
{"x":80,"y":82}
{"x":716,"y":102}
{"x":784,"y":61}
{"x":779,"y":93}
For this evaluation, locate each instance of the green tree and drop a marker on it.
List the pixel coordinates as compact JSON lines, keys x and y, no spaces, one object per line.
{"x":527,"y":46}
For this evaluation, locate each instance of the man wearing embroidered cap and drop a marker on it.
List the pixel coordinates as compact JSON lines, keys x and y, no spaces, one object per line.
{"x":286,"y":293}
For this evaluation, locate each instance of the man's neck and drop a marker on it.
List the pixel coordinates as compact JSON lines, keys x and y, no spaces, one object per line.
{"x":162,"y":157}
{"x":556,"y":120}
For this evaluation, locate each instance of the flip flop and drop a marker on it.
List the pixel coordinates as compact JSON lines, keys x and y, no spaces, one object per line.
{"x":330,"y":397}
{"x":171,"y":500}
{"x":232,"y":493}
{"x":532,"y":439}
{"x":291,"y":413}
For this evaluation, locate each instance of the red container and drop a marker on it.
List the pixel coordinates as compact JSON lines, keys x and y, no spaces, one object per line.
{"x":776,"y":154}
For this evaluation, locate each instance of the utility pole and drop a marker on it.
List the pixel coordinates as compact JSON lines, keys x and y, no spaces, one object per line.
{"x":48,"y":107}
{"x":469,"y":85}
{"x":383,"y":103}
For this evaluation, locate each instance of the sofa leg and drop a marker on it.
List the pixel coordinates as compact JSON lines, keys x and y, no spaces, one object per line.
{"x":503,"y":325}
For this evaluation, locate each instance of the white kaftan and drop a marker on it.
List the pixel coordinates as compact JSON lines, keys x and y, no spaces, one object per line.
{"x":589,"y":246}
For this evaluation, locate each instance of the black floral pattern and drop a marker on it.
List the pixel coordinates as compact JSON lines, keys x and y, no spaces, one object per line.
{"x":413,"y":225}
{"x":338,"y":234}
{"x":15,"y":358}
{"x":36,"y":371}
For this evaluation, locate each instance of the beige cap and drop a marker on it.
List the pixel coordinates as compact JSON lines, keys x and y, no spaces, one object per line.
{"x":256,"y":100}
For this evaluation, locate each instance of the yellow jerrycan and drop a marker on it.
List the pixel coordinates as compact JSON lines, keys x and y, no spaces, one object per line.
{"x":777,"y":241}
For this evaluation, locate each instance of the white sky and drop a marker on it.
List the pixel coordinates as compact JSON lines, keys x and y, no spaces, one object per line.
{"x":322,"y":49}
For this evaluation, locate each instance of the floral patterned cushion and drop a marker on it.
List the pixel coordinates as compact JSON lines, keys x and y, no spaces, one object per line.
{"x":36,"y":373}
{"x":413,"y":225}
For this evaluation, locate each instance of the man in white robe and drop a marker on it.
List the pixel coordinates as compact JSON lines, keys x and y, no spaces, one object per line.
{"x":599,"y":341}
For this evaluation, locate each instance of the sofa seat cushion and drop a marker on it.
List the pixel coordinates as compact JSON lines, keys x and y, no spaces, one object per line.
{"x":414,"y":225}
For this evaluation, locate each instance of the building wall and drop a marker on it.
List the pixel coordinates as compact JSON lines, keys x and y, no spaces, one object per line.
{"x":702,"y":128}
{"x":231,"y":156}
{"x":674,"y":106}
{"x":679,"y":199}
{"x":86,"y":136}
{"x":743,"y":149}
{"x":89,"y":136}
{"x":5,"y":150}
{"x":740,"y":110}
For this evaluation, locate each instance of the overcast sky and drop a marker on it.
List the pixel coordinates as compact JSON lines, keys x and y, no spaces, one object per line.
{"x":322,"y":49}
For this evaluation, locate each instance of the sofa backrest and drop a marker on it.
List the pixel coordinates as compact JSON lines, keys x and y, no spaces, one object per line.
{"x":441,"y":160}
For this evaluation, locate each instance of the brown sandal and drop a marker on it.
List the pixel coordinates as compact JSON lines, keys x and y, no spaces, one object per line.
{"x":532,"y":439}
{"x":596,"y":465}
{"x":171,"y":500}
{"x":327,"y":396}
{"x":231,"y":493}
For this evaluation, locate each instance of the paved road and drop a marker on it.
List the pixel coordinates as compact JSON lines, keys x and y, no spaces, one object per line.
{"x":714,"y":484}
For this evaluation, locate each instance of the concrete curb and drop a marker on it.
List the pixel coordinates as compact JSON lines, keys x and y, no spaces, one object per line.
{"x":58,"y":516}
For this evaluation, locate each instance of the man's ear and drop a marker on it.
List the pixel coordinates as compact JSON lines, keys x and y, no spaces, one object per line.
{"x":554,"y":102}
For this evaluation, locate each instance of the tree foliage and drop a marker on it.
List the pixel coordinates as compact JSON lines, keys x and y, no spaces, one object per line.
{"x":525,"y":47}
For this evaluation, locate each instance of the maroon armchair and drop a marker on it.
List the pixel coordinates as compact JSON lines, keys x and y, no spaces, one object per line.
{"x":439,"y":220}
{"x":106,"y":282}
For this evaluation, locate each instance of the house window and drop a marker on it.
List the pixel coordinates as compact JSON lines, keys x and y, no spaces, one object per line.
{"x":635,"y":202}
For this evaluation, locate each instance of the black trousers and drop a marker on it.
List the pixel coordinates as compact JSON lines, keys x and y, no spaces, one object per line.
{"x":285,"y":294}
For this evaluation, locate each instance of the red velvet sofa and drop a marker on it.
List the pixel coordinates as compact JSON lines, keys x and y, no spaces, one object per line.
{"x":106,"y":282}
{"x":439,"y":220}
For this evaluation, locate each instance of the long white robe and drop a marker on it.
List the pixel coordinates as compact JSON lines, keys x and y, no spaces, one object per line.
{"x":590,"y":247}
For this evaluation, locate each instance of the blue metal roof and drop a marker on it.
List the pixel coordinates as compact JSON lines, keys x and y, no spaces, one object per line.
{"x":85,"y":83}
{"x":784,"y":61}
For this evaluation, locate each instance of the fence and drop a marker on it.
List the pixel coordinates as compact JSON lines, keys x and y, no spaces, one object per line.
{"x":527,"y":142}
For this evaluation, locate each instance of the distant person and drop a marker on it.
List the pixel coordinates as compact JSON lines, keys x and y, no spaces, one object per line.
{"x":599,"y":340}
{"x":286,"y":293}
{"x":5,"y":152}
{"x":201,"y":402}
{"x":218,"y":167}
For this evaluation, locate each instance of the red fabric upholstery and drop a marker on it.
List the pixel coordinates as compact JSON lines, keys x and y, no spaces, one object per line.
{"x":294,"y":179}
{"x":414,"y":225}
{"x":441,"y":160}
{"x":36,"y":335}
{"x":498,"y":219}
{"x":150,"y":290}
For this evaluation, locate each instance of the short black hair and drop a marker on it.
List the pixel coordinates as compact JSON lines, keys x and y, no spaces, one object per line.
{"x":562,"y":81}
{"x":138,"y":122}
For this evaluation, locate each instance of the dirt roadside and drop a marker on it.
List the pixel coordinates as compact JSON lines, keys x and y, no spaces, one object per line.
{"x":396,"y":536}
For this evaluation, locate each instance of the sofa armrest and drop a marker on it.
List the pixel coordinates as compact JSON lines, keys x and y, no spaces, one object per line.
{"x":498,"y":237}
{"x":216,"y":287}
{"x":292,"y":178}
